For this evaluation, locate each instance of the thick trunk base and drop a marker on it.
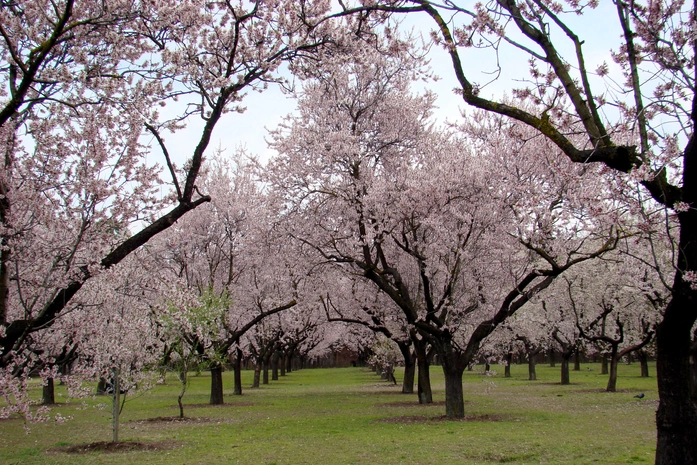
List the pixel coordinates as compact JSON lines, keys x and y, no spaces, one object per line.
{"x":454,"y":399}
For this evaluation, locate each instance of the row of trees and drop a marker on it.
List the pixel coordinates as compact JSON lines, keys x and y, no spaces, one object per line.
{"x":555,"y":212}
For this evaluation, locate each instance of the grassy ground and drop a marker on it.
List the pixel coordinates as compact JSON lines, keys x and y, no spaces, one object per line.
{"x":350,"y":416}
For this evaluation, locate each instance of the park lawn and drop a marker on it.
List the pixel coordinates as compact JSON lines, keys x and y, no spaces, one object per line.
{"x":350,"y":416}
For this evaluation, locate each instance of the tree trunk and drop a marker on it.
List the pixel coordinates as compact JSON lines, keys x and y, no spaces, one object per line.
{"x":676,"y":417}
{"x":454,"y":399}
{"x":115,"y":404}
{"x":507,"y":368}
{"x":603,"y":365}
{"x":216,"y":385}
{"x":693,"y":368}
{"x":565,"y":378}
{"x":289,"y":361}
{"x":577,"y":360}
{"x":644,"y":363}
{"x":424,"y":382}
{"x":552,"y":358}
{"x":274,"y":365}
{"x":101,"y":387}
{"x":409,"y":368}
{"x":409,"y":375}
{"x":532,"y":373}
{"x":265,"y":373}
{"x":257,"y":375}
{"x":282,"y":365}
{"x":183,"y":379}
{"x":612,"y":381}
{"x":237,"y":368}
{"x":424,"y":376}
{"x":48,"y":395}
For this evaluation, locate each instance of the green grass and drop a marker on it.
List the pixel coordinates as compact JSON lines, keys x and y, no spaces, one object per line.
{"x":350,"y":416}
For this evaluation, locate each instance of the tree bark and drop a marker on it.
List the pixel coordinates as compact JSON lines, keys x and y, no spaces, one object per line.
{"x":507,"y":368}
{"x":282,"y":365}
{"x":265,"y":372}
{"x":101,"y":387}
{"x":644,"y":363}
{"x":552,"y":358}
{"x":603,"y":365}
{"x":424,"y":376}
{"x":48,"y":393}
{"x":216,"y":385}
{"x":454,"y":399}
{"x":274,"y":365}
{"x":237,"y":367}
{"x":532,"y":373}
{"x":577,"y":360}
{"x":257,"y":375}
{"x":612,"y":380}
{"x":409,"y":368}
{"x":289,"y":361}
{"x":565,"y":378}
{"x":676,"y":417}
{"x":183,"y":379}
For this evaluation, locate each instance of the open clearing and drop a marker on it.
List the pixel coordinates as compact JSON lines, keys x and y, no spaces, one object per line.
{"x":351,"y":416}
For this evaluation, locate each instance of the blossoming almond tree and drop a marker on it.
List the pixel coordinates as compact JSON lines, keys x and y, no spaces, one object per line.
{"x":225,"y":268}
{"x":88,"y":91}
{"x":374,"y":189}
{"x":653,"y":99}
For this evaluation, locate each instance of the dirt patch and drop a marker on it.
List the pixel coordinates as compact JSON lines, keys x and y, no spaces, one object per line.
{"x":415,"y":419}
{"x":115,"y":447}
{"x":603,"y":390}
{"x":176,"y":420}
{"x":237,"y":404}
{"x":411,"y":403}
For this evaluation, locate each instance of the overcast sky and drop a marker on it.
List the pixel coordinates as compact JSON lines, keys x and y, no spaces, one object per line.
{"x":266,"y":110}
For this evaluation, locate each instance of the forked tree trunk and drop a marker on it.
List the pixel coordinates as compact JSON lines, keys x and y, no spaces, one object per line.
{"x":216,"y":385}
{"x":48,"y":393}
